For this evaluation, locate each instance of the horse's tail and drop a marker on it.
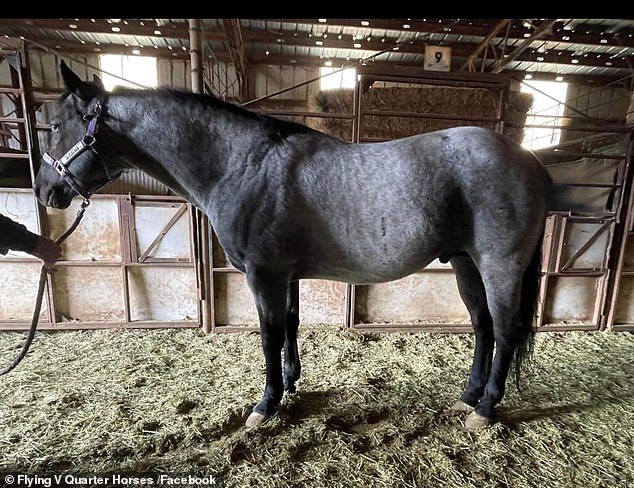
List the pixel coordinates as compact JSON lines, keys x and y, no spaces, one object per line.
{"x":527,"y":312}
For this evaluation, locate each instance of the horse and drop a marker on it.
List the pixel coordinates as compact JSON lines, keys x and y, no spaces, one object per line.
{"x":288,"y":202}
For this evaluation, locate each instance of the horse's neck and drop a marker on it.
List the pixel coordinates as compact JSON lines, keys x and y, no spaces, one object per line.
{"x":186,"y":147}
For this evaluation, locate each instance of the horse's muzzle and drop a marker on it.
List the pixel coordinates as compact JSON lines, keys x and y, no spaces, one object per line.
{"x":53,"y":197}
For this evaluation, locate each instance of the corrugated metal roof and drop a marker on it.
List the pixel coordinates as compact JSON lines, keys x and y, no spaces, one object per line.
{"x":590,"y":47}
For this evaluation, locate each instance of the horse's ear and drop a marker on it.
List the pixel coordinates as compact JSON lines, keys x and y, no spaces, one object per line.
{"x":84,"y":90}
{"x":97,"y":81}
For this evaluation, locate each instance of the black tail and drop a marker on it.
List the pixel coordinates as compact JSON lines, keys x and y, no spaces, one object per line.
{"x":528,"y":309}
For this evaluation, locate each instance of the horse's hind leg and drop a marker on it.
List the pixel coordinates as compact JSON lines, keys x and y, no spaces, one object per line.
{"x":473,"y":295}
{"x":503,"y":282}
{"x":292,"y":365}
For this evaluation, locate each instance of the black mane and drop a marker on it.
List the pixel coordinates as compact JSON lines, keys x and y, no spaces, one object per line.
{"x":277,"y":129}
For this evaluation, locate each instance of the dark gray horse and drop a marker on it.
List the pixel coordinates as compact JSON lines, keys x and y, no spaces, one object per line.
{"x":288,"y":203}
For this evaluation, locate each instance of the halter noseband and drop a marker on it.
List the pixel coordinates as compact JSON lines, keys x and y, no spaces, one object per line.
{"x":87,"y":143}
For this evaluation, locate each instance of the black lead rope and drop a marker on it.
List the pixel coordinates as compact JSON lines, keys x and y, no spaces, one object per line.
{"x":40,"y":294}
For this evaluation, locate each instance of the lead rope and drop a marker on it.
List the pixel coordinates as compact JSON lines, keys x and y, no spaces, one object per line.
{"x":40,"y":294}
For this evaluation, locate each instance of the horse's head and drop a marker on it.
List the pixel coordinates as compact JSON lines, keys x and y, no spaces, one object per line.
{"x":75,"y":163}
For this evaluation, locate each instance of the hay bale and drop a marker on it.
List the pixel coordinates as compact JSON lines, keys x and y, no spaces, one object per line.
{"x":459,"y":105}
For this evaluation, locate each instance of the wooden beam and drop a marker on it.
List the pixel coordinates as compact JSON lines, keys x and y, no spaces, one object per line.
{"x":459,"y":50}
{"x":523,"y":46}
{"x":466,"y":27}
{"x":470,"y":62}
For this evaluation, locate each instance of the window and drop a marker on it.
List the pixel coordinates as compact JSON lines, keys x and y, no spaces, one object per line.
{"x":333,"y":78}
{"x":547,"y":110}
{"x":136,"y":71}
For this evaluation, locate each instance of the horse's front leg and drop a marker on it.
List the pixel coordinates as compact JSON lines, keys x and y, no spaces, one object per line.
{"x":270,"y":293}
{"x":292,"y":365}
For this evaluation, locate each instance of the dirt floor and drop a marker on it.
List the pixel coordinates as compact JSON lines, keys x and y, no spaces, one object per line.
{"x":371,"y":411}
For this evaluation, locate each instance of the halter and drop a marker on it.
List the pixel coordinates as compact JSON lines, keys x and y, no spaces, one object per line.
{"x":87,"y":143}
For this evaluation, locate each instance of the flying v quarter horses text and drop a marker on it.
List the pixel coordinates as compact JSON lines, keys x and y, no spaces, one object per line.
{"x":289,"y":203}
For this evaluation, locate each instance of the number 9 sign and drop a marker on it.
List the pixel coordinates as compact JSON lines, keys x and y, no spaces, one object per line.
{"x":437,"y":58}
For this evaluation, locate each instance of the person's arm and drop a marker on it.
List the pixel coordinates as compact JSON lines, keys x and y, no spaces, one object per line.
{"x":17,"y":237}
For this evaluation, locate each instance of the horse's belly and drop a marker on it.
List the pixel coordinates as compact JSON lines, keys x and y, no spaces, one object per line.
{"x":369,"y":269}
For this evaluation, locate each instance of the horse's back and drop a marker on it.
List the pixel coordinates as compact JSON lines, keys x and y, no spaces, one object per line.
{"x":388,"y":209}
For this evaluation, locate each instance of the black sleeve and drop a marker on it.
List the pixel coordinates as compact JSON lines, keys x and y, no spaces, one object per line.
{"x":15,"y":236}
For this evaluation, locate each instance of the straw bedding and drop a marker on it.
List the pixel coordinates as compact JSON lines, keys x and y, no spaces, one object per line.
{"x":371,"y":410}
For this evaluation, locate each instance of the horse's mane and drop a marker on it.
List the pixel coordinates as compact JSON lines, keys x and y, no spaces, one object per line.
{"x":276,"y":128}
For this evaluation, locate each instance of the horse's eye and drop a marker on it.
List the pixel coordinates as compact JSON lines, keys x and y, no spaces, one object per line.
{"x":54,"y":127}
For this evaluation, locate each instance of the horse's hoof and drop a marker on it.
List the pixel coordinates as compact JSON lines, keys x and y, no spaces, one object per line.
{"x":255,"y":420}
{"x":461,"y":406}
{"x":475,"y":421}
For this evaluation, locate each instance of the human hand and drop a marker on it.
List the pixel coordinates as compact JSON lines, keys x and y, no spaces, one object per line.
{"x":47,"y":250}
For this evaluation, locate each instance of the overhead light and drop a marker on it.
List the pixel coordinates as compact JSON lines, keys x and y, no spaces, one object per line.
{"x":136,"y":51}
{"x":528,"y":76}
{"x":357,"y":45}
{"x":157,"y":32}
{"x":574,"y":61}
{"x":319,"y":43}
{"x":365,"y":23}
{"x":323,"y":21}
{"x":406,"y":26}
{"x":559,"y":78}
{"x":328,"y":63}
{"x":116,"y":29}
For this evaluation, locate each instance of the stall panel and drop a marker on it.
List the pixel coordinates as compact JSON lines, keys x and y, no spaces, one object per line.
{"x":571,"y":301}
{"x":97,"y":238}
{"x":88,"y":294}
{"x":160,"y":293}
{"x":19,"y":271}
{"x":320,"y":301}
{"x":233,"y":302}
{"x":424,"y":297}
{"x":18,"y":285}
{"x":624,"y":312}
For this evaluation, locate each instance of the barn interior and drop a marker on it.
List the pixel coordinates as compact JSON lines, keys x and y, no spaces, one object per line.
{"x":131,"y":380}
{"x":561,"y":87}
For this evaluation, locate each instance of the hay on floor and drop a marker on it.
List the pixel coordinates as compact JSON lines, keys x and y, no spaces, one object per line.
{"x":371,"y":410}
